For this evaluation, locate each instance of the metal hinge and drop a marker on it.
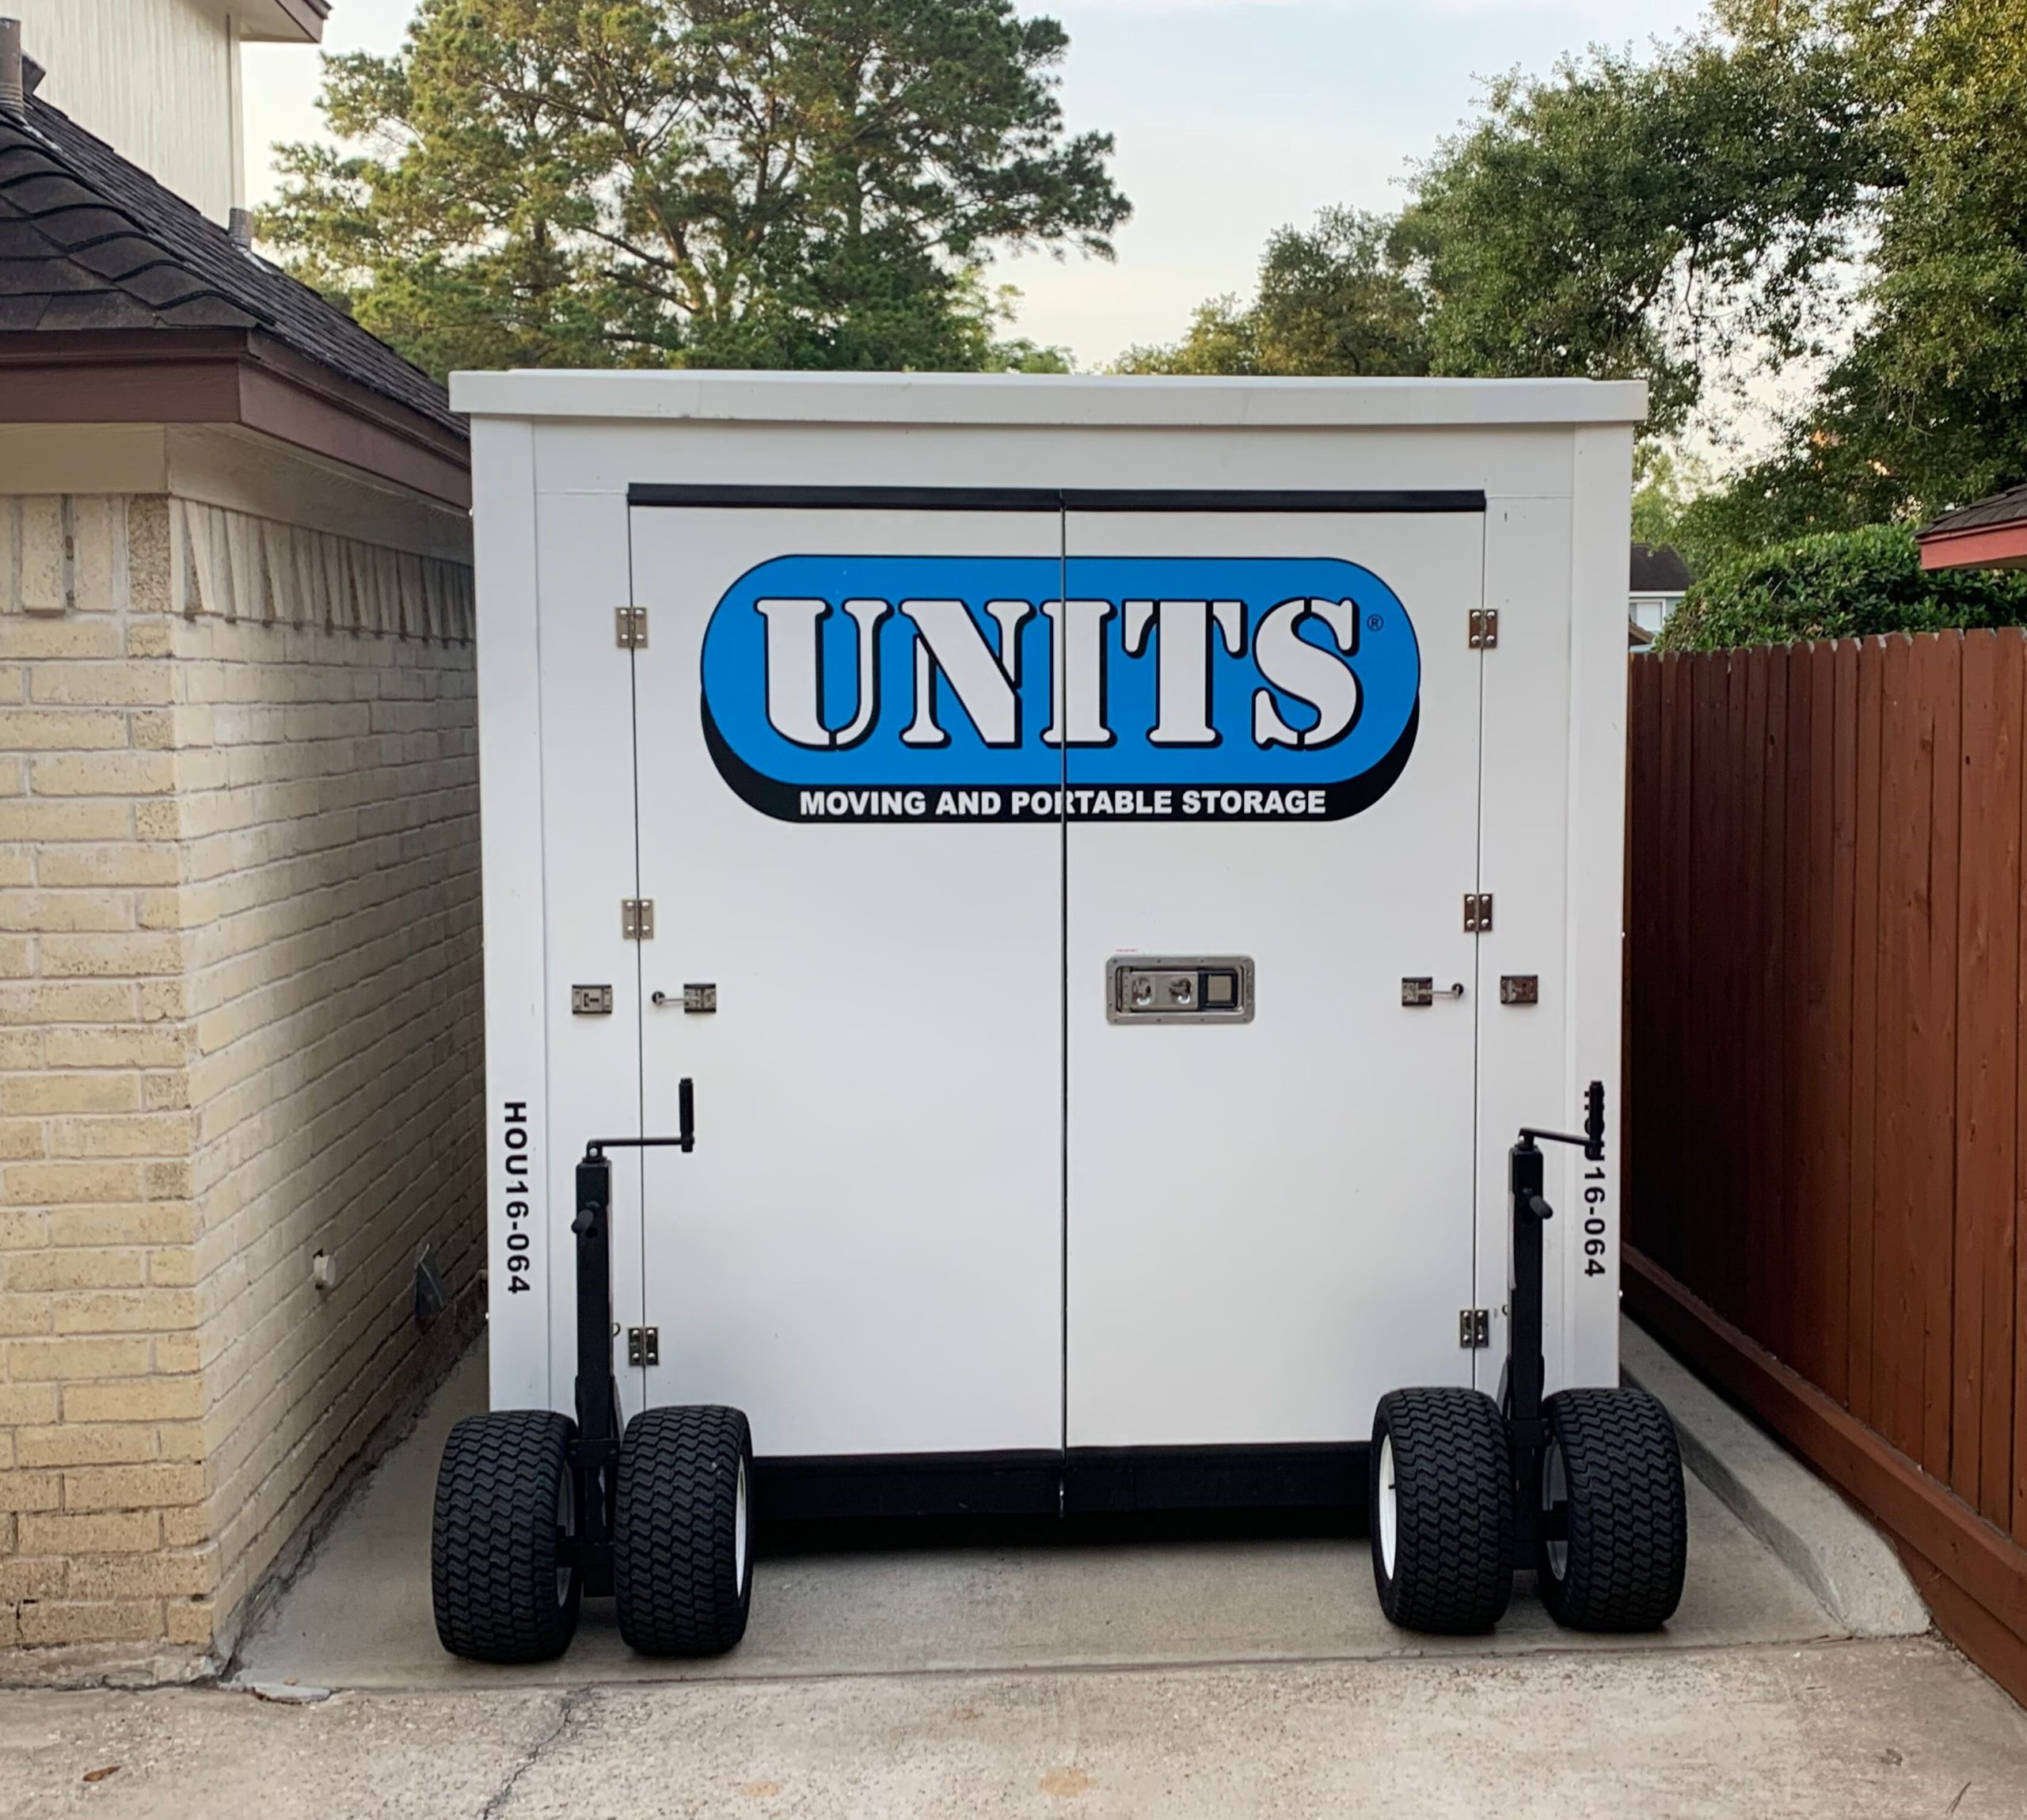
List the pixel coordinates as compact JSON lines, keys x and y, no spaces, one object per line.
{"x":1484,"y":628}
{"x":643,"y":1346}
{"x":636,"y":919}
{"x":630,"y":627}
{"x":1478,"y":912}
{"x":1473,"y":1327}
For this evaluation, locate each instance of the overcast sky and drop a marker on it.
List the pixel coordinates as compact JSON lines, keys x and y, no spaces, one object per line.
{"x":1232,"y":119}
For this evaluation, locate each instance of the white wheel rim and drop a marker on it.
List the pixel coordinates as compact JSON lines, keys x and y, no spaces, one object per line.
{"x":566,"y":1525}
{"x":1555,"y":1490}
{"x":738,"y":1525}
{"x":1390,"y":1508}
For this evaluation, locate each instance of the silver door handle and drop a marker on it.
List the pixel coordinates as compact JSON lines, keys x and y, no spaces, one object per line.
{"x":1420,"y":989}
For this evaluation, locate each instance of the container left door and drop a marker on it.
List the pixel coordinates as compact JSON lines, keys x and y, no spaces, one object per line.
{"x":864,"y":1250}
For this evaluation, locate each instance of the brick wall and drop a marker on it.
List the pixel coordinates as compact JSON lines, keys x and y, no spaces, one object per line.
{"x":239,"y":1024}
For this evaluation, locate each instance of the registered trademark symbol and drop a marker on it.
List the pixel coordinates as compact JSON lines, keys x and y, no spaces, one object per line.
{"x":1373,"y":622}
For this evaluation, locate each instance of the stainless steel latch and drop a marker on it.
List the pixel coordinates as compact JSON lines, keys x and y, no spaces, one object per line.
{"x":1420,"y":989}
{"x":1179,"y":988}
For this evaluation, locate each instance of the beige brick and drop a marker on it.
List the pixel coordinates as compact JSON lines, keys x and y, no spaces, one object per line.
{"x":141,"y":1400}
{"x":70,"y":1093}
{"x":181,"y":1575}
{"x":23,"y":1403}
{"x":21,"y":1139}
{"x":54,"y":1621}
{"x":51,"y":730}
{"x":34,"y":638}
{"x":139,"y":1046}
{"x":71,"y":1001}
{"x":32,"y":1491}
{"x":123,"y":863}
{"x":102,"y":1532}
{"x":92,"y":1444}
{"x":74,"y":1181}
{"x":190,"y":1621}
{"x":41,"y":1361}
{"x":104,"y":957}
{"x":23,"y":1228}
{"x":145,"y":641}
{"x":23,"y":1314}
{"x":125,"y":1311}
{"x":134,"y":1135}
{"x":190,"y":1527}
{"x":140,"y":1224}
{"x":129,"y":1488}
{"x":103,"y":774}
{"x":164,"y":1091}
{"x":177,"y":1352}
{"x":59,"y":1268}
{"x":85,"y":820}
{"x":91,"y":685}
{"x":174,"y":1266}
{"x":167,"y":1181}
{"x":63,"y":912}
{"x":31,"y":1579}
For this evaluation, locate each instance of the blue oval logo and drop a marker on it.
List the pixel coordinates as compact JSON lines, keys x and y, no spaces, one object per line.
{"x":924,"y":688}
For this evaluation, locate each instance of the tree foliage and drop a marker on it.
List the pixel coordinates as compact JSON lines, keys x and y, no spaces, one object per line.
{"x":1630,"y":217}
{"x":1840,"y":182}
{"x":743,"y":183}
{"x":1838,"y":584}
{"x":1330,"y":300}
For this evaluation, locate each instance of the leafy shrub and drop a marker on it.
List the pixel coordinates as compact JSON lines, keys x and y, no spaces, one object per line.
{"x":1838,"y":584}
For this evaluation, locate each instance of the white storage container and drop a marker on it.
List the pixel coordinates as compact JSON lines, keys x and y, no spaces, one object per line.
{"x":1119,"y":859}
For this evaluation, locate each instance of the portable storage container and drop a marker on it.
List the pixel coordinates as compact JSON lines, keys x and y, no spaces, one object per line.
{"x":1119,"y":859}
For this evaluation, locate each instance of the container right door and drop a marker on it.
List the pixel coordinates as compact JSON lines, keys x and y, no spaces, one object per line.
{"x":1272,"y":999}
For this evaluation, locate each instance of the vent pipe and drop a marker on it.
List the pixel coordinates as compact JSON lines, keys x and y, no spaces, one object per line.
{"x":13,"y":93}
{"x":239,"y":224}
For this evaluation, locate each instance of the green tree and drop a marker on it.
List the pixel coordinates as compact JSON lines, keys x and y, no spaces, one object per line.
{"x":1329,"y":300}
{"x":1928,"y":409}
{"x":797,"y":183}
{"x":1646,"y":218}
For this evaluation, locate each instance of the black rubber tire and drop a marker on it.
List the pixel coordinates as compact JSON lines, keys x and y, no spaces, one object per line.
{"x":678,"y":1574}
{"x":493,"y":1541}
{"x":1453,"y":1482}
{"x":1627,"y":1546}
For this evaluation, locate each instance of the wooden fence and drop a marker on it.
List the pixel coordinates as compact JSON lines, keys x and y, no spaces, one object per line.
{"x":1827,"y":1091}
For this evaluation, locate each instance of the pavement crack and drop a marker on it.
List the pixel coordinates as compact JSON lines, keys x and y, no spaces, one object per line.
{"x":574,"y":1699}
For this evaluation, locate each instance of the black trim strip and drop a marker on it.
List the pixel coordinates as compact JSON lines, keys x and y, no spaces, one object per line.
{"x":1054,"y":499}
{"x":1086,"y":1482}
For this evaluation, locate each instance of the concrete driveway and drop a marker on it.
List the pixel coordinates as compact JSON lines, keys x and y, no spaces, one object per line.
{"x":1212,"y":1679}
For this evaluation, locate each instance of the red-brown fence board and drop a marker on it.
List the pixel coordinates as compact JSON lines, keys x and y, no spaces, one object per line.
{"x":1827,"y":1004}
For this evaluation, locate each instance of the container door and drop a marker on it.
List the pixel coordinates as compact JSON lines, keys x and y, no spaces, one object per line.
{"x":1271,"y":994}
{"x":857,"y":957}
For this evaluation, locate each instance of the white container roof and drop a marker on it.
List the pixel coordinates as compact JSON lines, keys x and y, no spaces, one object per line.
{"x":1045,"y":400}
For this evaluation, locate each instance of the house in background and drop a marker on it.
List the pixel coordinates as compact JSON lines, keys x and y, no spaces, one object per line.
{"x":241,"y":1126}
{"x":1988,"y":534}
{"x":159,"y":81}
{"x":1658,"y":579}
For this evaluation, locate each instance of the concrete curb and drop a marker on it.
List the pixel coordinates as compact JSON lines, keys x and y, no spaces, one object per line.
{"x":1833,"y":1551}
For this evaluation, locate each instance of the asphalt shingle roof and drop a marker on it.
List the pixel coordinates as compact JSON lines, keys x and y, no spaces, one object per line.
{"x":89,"y":241}
{"x":2005,"y":508}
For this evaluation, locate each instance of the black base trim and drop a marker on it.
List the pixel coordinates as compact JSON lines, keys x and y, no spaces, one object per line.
{"x":1057,"y":499}
{"x":1086,"y":1482}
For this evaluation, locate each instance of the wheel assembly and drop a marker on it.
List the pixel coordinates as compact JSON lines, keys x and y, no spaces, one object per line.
{"x":1442,"y":1510}
{"x":682,"y":1534}
{"x":1613,"y":1519}
{"x":503,"y":1583}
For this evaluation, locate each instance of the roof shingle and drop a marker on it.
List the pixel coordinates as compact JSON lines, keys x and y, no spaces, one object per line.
{"x":2005,"y":508}
{"x":89,"y":241}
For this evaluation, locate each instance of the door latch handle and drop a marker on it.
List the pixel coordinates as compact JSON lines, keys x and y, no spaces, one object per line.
{"x":1420,"y":989}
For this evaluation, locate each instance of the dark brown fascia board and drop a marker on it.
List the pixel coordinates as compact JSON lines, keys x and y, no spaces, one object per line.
{"x":230,"y":376}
